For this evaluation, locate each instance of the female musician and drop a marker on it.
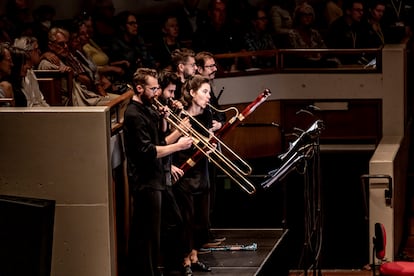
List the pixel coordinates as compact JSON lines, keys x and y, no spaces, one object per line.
{"x":192,"y":190}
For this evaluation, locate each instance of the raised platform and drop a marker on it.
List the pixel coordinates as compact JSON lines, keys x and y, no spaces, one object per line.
{"x":267,"y":259}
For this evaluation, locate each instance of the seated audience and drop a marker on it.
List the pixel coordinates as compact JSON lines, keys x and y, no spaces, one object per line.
{"x":21,"y":63}
{"x":375,"y":35}
{"x":398,"y":20}
{"x":304,"y":36}
{"x":347,"y":32}
{"x":80,"y":95}
{"x":258,"y":38}
{"x":217,"y":35}
{"x":129,"y":44}
{"x":332,"y":11}
{"x":190,"y":17}
{"x":280,"y":15}
{"x":30,"y":85}
{"x":168,"y":41}
{"x":113,"y":70}
{"x":6,"y":64}
{"x":43,"y":19}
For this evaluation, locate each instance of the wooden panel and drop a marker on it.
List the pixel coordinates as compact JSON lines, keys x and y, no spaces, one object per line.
{"x":257,"y":136}
{"x":346,"y":121}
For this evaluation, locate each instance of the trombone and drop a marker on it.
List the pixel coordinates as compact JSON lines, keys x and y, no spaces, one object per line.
{"x":206,"y":146}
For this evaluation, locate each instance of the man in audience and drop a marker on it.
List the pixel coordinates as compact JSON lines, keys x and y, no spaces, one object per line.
{"x":347,"y":32}
{"x":80,"y":95}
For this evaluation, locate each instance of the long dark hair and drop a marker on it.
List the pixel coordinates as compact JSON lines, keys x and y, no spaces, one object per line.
{"x":20,"y":58}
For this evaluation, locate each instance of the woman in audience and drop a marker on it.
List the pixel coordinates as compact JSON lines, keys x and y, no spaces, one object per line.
{"x":21,"y":63}
{"x":129,"y":45}
{"x":30,"y":85}
{"x":113,"y":70}
{"x":6,"y":64}
{"x":304,"y":36}
{"x":168,"y":41}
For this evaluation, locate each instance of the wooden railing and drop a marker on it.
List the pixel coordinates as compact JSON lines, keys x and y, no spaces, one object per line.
{"x":50,"y":83}
{"x":299,"y":60}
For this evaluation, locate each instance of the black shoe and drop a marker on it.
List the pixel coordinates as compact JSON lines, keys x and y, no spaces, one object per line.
{"x":211,"y":243}
{"x":187,"y":271}
{"x":214,"y":238}
{"x":200,"y":266}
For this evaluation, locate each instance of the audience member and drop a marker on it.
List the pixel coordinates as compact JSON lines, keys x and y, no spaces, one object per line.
{"x":258,"y":38}
{"x":113,"y":70}
{"x":168,"y":41}
{"x":4,"y":30}
{"x":6,"y":64}
{"x":237,"y":12}
{"x":333,"y":10}
{"x":80,"y":95}
{"x":87,"y":71}
{"x":190,"y":18}
{"x":192,"y":189}
{"x":103,"y":14}
{"x":347,"y":32}
{"x":145,"y":149}
{"x":217,"y":35}
{"x":305,"y":36}
{"x":30,"y":85}
{"x":184,"y":65}
{"x":21,"y":63}
{"x":375,"y":35}
{"x":43,"y":17}
{"x":398,"y":20}
{"x":18,"y":17}
{"x":129,"y":45}
{"x":280,"y":15}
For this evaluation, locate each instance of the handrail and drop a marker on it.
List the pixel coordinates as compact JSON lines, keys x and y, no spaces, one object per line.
{"x":281,"y":55}
{"x":117,"y":108}
{"x":7,"y":100}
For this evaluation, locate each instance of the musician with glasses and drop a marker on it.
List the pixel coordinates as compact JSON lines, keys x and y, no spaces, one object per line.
{"x":207,"y":67}
{"x":145,"y":148}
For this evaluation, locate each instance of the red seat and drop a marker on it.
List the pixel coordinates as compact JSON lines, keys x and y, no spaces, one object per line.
{"x":397,"y":268}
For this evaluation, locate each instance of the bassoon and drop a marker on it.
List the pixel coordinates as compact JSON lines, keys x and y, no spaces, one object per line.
{"x":227,"y":127}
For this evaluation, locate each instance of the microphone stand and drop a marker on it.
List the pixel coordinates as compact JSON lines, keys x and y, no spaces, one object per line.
{"x":305,"y":151}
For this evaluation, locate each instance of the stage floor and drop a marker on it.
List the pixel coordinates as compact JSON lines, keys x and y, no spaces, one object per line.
{"x":244,"y":262}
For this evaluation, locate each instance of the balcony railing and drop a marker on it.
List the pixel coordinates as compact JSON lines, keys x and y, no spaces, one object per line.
{"x":299,"y":60}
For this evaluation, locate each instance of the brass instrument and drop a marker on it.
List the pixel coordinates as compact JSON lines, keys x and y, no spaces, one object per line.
{"x":206,"y":146}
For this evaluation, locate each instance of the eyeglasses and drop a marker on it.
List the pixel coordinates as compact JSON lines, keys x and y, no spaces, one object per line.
{"x":132,"y":23}
{"x":191,"y":64}
{"x":210,"y":66}
{"x":154,"y":89}
{"x":62,"y":43}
